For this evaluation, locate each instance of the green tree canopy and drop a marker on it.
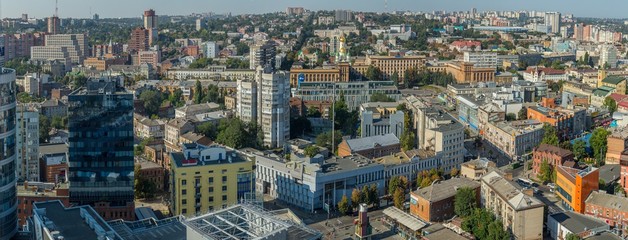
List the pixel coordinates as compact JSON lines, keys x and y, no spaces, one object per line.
{"x":465,"y":202}
{"x":380,"y":97}
{"x":152,"y":101}
{"x":545,"y":172}
{"x":343,"y":205}
{"x":579,"y":149}
{"x":311,"y":151}
{"x":599,"y":144}
{"x":610,"y":104}
{"x":523,"y":113}
{"x":550,"y":136}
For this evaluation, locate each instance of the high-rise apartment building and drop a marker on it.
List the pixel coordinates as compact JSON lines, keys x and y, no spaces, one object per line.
{"x":266,"y":100}
{"x":608,"y":56}
{"x":263,"y":55}
{"x":101,"y":149}
{"x":57,"y":46}
{"x":8,"y":191}
{"x":344,"y":15}
{"x":210,"y":49}
{"x":578,"y":31}
{"x":552,"y":20}
{"x":150,"y":23}
{"x":53,"y":25}
{"x":139,"y":40}
{"x":27,"y":142}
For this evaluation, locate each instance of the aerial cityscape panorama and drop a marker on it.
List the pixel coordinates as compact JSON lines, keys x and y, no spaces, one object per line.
{"x":312,"y":120}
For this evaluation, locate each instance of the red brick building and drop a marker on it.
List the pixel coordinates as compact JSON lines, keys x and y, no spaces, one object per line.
{"x":53,"y":167}
{"x":436,"y":202}
{"x":154,"y":173}
{"x":28,"y":194}
{"x":608,"y":207}
{"x":555,"y":156}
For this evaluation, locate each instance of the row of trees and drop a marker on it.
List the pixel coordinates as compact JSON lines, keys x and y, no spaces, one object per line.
{"x":234,"y":133}
{"x":397,"y":186}
{"x":425,"y":178}
{"x":211,"y":94}
{"x":413,"y":77}
{"x":367,"y":195}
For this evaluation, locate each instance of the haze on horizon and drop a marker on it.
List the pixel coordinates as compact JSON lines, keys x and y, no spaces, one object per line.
{"x":134,"y":8}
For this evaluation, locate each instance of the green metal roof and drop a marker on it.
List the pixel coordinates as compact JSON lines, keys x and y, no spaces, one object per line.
{"x":614,"y":79}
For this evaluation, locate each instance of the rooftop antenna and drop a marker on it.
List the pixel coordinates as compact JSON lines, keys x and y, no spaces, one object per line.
{"x":56,"y":8}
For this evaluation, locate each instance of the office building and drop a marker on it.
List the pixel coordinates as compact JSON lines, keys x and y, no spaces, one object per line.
{"x":309,"y":183}
{"x":204,"y":179}
{"x":151,"y":57}
{"x":150,"y":24}
{"x":62,"y":46}
{"x":8,"y":191}
{"x":53,"y":25}
{"x":435,"y":202}
{"x":139,"y":40}
{"x":437,"y":132}
{"x":247,"y":221}
{"x":481,"y":59}
{"x":553,"y":155}
{"x":27,"y":143}
{"x":573,"y":186}
{"x":263,"y":56}
{"x":389,"y":65}
{"x":552,"y":21}
{"x":210,"y":49}
{"x":329,"y":73}
{"x":101,"y":148}
{"x":520,"y":212}
{"x":356,"y":93}
{"x":379,"y":118}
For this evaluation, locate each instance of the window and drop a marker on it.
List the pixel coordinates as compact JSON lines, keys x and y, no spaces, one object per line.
{"x":224,"y":179}
{"x":211,"y":180}
{"x":184,"y":211}
{"x":184,"y":201}
{"x":184,"y":192}
{"x":224,"y":197}
{"x":211,"y":199}
{"x":224,"y":171}
{"x":211,"y":189}
{"x":184,"y":182}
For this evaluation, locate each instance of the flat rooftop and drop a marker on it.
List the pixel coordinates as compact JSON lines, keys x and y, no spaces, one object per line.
{"x":151,"y":229}
{"x":71,"y":223}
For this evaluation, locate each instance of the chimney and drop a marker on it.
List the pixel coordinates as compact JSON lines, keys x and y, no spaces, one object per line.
{"x":508,"y":176}
{"x":26,"y":185}
{"x":528,"y":191}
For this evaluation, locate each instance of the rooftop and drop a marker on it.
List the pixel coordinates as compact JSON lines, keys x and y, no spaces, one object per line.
{"x":480,"y":163}
{"x":44,"y":190}
{"x":197,"y":108}
{"x":510,"y":192}
{"x":247,"y":222}
{"x":75,"y":223}
{"x":610,"y":173}
{"x":144,"y":164}
{"x":404,"y":218}
{"x":53,"y":148}
{"x":608,"y":201}
{"x":441,"y":190}
{"x":440,"y":232}
{"x":360,"y":144}
{"x":195,"y":155}
{"x":151,"y":229}
{"x":614,"y":79}
{"x":519,"y":127}
{"x":577,"y":223}
{"x":554,"y":150}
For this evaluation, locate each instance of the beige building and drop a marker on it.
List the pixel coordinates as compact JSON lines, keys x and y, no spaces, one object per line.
{"x":174,"y":129}
{"x":521,"y":213}
{"x":393,"y":64}
{"x":475,"y":169}
{"x":514,"y":138}
{"x":148,"y":128}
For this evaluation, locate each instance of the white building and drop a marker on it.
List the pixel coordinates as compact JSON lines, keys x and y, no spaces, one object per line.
{"x":273,"y":106}
{"x":374,"y":123}
{"x":552,"y":20}
{"x":262,"y":55}
{"x":481,"y":59}
{"x":608,"y":55}
{"x":246,"y":106}
{"x":210,"y":49}
{"x":27,"y":143}
{"x":57,"y":46}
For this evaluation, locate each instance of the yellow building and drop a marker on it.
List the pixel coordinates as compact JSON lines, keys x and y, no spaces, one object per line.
{"x":389,"y":65}
{"x":332,"y":73}
{"x":616,"y":82}
{"x":204,"y":179}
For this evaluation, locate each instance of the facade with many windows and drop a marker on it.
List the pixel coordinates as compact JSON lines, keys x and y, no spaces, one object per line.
{"x":203,"y":179}
{"x":101,"y":149}
{"x":8,"y":191}
{"x":355,"y":93}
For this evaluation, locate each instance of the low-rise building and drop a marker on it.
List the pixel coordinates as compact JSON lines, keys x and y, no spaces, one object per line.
{"x":616,"y":82}
{"x":189,"y":111}
{"x":569,"y":122}
{"x":573,"y":186}
{"x":617,"y":142}
{"x":32,"y":192}
{"x":154,"y":173}
{"x":554,"y":156}
{"x":536,"y":74}
{"x":520,"y":212}
{"x":381,"y":118}
{"x":356,"y":93}
{"x":408,"y":164}
{"x":53,"y":108}
{"x":436,"y":202}
{"x":148,"y":128}
{"x":468,"y":73}
{"x":610,"y":208}
{"x":562,"y":224}
{"x":475,"y":169}
{"x":205,"y":179}
{"x":174,"y":129}
{"x":370,"y":147}
{"x":514,"y":138}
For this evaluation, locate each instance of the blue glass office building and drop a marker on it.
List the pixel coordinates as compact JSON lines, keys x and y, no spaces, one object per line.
{"x":8,"y":200}
{"x":101,"y":148}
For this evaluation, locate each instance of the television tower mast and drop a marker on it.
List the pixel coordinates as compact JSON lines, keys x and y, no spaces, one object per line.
{"x":56,"y":8}
{"x":386,"y":5}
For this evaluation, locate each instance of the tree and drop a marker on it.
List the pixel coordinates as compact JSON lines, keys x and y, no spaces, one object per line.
{"x":523,"y":113}
{"x":198,"y":92}
{"x":355,"y":198}
{"x":313,"y":112}
{"x":200,"y":63}
{"x":454,"y":172}
{"x":144,"y":188}
{"x":571,"y":236}
{"x":399,"y":198}
{"x":496,"y":231}
{"x":545,"y":172}
{"x":324,"y":140}
{"x":343,"y":205}
{"x":299,"y":126}
{"x":176,"y":98}
{"x":59,"y":122}
{"x":598,"y":144}
{"x":408,"y":140}
{"x":366,"y":196}
{"x":610,"y":104}
{"x":311,"y":151}
{"x":397,"y":182}
{"x":373,"y":195}
{"x":208,"y":129}
{"x":565,"y":145}
{"x":511,"y":117}
{"x":152,"y":101}
{"x":579,"y":149}
{"x":373,"y":73}
{"x":44,"y":128}
{"x":549,"y":135}
{"x":465,"y":202}
{"x":380,"y":97}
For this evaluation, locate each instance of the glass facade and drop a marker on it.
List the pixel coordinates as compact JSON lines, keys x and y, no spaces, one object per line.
{"x":101,"y":148}
{"x":8,"y":191}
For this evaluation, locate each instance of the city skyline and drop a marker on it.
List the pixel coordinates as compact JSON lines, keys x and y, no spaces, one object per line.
{"x":85,"y":9}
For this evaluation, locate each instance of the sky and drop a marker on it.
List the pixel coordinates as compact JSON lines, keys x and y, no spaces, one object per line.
{"x":134,"y":8}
